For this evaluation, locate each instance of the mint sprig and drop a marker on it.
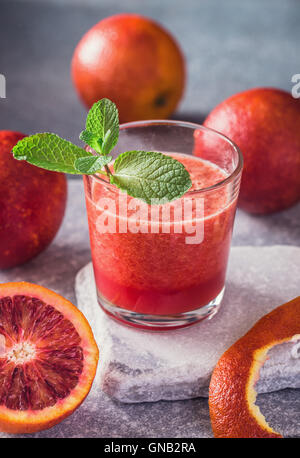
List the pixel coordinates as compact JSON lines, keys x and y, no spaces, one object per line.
{"x":102,"y":127}
{"x":150,"y":176}
{"x":50,"y":152}
{"x":147,"y":175}
{"x":92,"y":164}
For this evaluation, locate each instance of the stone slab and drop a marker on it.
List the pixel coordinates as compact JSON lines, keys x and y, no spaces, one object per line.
{"x":139,"y":366}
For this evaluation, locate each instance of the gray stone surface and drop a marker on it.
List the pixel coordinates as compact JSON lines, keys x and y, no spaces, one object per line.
{"x":100,"y":416}
{"x":138,"y":366}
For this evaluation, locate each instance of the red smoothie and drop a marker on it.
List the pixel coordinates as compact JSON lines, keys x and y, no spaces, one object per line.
{"x":155,"y":268}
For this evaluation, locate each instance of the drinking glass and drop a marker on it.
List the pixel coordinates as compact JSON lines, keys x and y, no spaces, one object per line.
{"x":161,"y":267}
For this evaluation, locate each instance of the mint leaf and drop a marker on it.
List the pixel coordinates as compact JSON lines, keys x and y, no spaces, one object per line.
{"x":92,"y":140}
{"x":103,"y":122}
{"x":50,"y":152}
{"x":90,"y":165}
{"x":150,"y":176}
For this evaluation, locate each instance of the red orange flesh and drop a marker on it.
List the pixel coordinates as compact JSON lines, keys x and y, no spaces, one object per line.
{"x":48,"y":358}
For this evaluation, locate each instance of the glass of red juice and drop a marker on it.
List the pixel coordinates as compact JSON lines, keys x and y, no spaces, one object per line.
{"x":161,"y":267}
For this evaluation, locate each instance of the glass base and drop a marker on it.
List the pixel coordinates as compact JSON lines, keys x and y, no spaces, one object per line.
{"x":161,"y":322}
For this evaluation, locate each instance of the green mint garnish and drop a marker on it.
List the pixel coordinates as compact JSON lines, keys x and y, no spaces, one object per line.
{"x":102,"y":127}
{"x":147,"y":175}
{"x":90,"y":165}
{"x":50,"y":152}
{"x":91,"y":140}
{"x":150,"y":176}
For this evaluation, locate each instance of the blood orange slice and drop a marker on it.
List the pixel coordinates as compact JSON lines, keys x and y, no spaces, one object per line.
{"x":232,"y":396}
{"x":48,"y":358}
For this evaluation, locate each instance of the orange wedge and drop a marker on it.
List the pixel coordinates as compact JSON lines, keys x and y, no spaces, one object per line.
{"x":48,"y":358}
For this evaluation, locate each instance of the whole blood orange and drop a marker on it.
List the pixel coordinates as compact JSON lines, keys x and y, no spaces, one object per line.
{"x":232,"y":395}
{"x":48,"y":358}
{"x":134,"y":62}
{"x":264,"y":123}
{"x":32,"y":205}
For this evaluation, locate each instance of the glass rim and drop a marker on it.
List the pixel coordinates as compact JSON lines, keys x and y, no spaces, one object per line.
{"x":191,"y":125}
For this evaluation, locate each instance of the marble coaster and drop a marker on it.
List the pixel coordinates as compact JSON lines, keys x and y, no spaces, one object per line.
{"x":138,"y":366}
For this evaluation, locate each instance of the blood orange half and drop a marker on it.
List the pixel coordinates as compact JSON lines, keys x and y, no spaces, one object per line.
{"x":48,"y":358}
{"x":232,"y":396}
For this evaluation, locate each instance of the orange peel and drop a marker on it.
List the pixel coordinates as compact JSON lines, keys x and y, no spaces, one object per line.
{"x":232,"y":396}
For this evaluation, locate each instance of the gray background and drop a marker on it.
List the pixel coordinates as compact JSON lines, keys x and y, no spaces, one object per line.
{"x":230,"y":46}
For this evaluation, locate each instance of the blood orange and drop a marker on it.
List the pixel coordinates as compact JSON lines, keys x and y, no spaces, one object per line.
{"x":232,"y":396}
{"x":32,"y":205}
{"x":48,"y":358}
{"x":133,"y":61}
